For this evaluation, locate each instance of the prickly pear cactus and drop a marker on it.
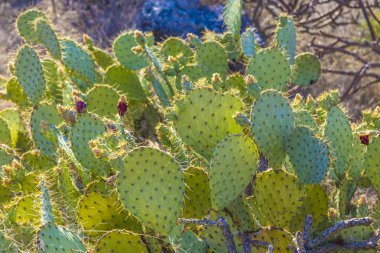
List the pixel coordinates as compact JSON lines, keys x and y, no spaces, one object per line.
{"x":119,"y":241}
{"x":371,"y":161}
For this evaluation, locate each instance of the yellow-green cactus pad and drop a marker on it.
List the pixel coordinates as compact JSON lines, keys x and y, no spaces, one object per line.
{"x":272,"y":124}
{"x":242,"y":215}
{"x":98,"y":212}
{"x":372,"y":163}
{"x":16,"y":94}
{"x":29,"y":72}
{"x":278,"y":195}
{"x":86,"y":129}
{"x":197,"y":195}
{"x":119,"y":241}
{"x":13,"y":119}
{"x":123,"y":48}
{"x":5,"y":132}
{"x":25,"y":25}
{"x":77,"y":60}
{"x":306,"y":70}
{"x":204,"y":117}
{"x":212,"y":58}
{"x":102,"y":100}
{"x":152,"y":187}
{"x":177,"y":48}
{"x":271,"y":69}
{"x":315,"y":203}
{"x":339,"y":136}
{"x":277,"y":237}
{"x":126,"y":81}
{"x":233,"y":163}
{"x":55,"y":239}
{"x":286,"y":36}
{"x":45,"y":140}
{"x":308,"y":154}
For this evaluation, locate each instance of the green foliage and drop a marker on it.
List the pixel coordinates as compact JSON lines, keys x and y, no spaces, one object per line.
{"x":132,"y":144}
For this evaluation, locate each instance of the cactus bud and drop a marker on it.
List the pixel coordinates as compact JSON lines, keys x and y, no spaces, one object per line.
{"x":137,"y":49}
{"x":364,"y":139}
{"x":122,"y":106}
{"x":80,"y":106}
{"x":249,"y":79}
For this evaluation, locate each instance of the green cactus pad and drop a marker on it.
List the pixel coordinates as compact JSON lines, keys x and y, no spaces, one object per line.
{"x":193,"y":72}
{"x":315,"y":203}
{"x":54,"y":239}
{"x":184,"y":241}
{"x":286,"y":36}
{"x":78,"y":61}
{"x":278,"y":195}
{"x":13,"y":119}
{"x":47,"y":37}
{"x":152,"y":187}
{"x":304,"y":118}
{"x":271,"y":69}
{"x":277,"y":237}
{"x":102,"y":100}
{"x":356,"y":164}
{"x":248,"y":42}
{"x":126,"y":81}
{"x":102,"y":58}
{"x":16,"y":94}
{"x":30,"y":74}
{"x":6,"y":244}
{"x":98,"y":212}
{"x":177,"y":48}
{"x":306,"y":70}
{"x":119,"y":241}
{"x":211,"y":115}
{"x":272,"y":124}
{"x":5,"y":132}
{"x":25,"y":25}
{"x":234,"y":162}
{"x":50,"y":115}
{"x":339,"y":136}
{"x":371,"y":163}
{"x":197,"y":195}
{"x":86,"y":129}
{"x":212,"y":58}
{"x":54,"y":81}
{"x":308,"y":154}
{"x":122,"y":47}
{"x":242,"y":214}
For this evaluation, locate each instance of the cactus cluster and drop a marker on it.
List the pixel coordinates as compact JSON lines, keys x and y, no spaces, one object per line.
{"x":162,"y":147}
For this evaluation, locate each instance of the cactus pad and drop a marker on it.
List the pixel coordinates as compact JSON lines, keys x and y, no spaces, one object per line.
{"x":102,"y":100}
{"x":16,"y":94}
{"x":86,"y":129}
{"x":271,"y":69}
{"x":49,"y":114}
{"x":197,"y":196}
{"x":48,"y":38}
{"x":25,"y":25}
{"x":232,"y":166}
{"x":308,"y":155}
{"x":13,"y":119}
{"x":5,"y":132}
{"x":123,"y":48}
{"x":278,"y":195}
{"x":30,"y":74}
{"x":212,"y":58}
{"x":211,"y":115}
{"x":272,"y":124}
{"x":119,"y":241}
{"x":286,"y":37}
{"x":304,"y":118}
{"x":184,"y":241}
{"x":126,"y":81}
{"x":339,"y":136}
{"x":248,"y":42}
{"x":277,"y":237}
{"x":306,"y":70}
{"x":152,"y":187}
{"x":242,"y":214}
{"x":54,"y":239}
{"x":371,"y":163}
{"x":78,"y":61}
{"x":176,"y":47}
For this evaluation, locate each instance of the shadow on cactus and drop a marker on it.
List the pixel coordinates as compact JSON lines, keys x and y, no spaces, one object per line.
{"x":162,"y":147}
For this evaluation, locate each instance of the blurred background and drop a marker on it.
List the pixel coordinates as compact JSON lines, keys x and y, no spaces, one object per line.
{"x":344,"y":34}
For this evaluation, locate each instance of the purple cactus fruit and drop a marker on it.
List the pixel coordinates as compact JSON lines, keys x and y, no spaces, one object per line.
{"x":364,"y":139}
{"x":122,"y":106}
{"x":80,"y":106}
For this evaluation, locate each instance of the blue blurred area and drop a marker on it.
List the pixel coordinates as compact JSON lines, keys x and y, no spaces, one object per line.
{"x":179,"y":17}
